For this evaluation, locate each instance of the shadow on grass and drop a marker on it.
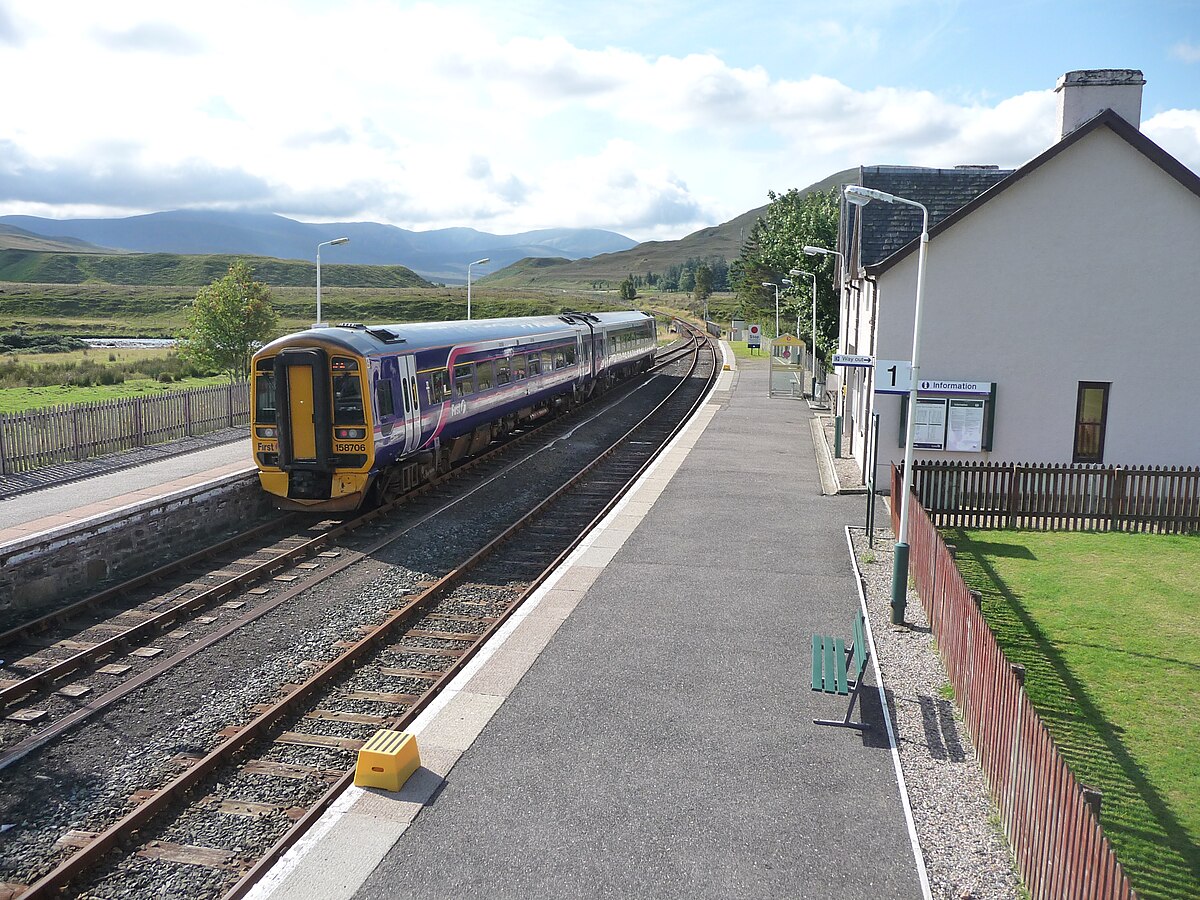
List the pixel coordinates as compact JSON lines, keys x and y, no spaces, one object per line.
{"x":1159,"y":857}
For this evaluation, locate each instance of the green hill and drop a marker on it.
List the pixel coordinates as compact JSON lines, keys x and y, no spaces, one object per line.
{"x":35,"y":267}
{"x":651,"y":256}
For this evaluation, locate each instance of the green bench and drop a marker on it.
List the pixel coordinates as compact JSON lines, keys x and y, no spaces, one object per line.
{"x":832,"y":672}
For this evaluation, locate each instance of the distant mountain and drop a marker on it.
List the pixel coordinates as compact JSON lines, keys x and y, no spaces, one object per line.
{"x":39,"y":267}
{"x":13,"y":238}
{"x":651,"y":256}
{"x":440,"y":255}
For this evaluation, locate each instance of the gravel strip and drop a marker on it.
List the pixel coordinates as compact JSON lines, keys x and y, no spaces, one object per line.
{"x":966,"y":853}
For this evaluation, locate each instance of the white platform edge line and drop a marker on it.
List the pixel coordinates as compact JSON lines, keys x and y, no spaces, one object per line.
{"x":922,"y":874}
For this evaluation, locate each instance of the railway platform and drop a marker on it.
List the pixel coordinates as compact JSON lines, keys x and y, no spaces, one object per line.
{"x":645,"y":728}
{"x":105,"y":485}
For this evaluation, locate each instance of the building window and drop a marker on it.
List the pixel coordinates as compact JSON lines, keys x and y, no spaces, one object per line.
{"x":1091,"y":416}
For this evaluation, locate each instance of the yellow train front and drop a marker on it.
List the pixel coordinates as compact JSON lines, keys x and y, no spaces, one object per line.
{"x":311,"y":427}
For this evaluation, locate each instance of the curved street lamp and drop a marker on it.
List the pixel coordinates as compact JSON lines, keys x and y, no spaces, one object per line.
{"x":478,"y":262}
{"x":774,"y":285}
{"x":861,"y":196}
{"x":341,"y":240}
{"x":813,"y":390}
{"x":843,"y":314}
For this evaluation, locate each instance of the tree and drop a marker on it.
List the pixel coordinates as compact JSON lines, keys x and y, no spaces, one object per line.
{"x":628,"y":290}
{"x":228,"y":320}
{"x":704,"y":282}
{"x":776,"y":245}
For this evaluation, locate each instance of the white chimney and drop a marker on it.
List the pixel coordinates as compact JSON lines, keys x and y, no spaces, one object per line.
{"x":1085,"y":93}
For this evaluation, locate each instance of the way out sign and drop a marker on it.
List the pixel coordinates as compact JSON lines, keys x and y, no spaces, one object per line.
{"x":893,"y":376}
{"x":754,"y":337}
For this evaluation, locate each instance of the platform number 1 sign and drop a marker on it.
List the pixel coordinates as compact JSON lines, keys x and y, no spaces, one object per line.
{"x":893,"y":376}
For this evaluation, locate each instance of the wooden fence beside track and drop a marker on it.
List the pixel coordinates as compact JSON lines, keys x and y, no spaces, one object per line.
{"x":1060,"y":849}
{"x":45,"y":437}
{"x":1055,"y":497}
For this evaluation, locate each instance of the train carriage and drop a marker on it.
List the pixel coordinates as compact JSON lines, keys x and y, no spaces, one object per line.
{"x":349,"y":412}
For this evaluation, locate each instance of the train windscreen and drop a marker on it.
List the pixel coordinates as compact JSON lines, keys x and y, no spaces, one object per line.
{"x":347,"y":393}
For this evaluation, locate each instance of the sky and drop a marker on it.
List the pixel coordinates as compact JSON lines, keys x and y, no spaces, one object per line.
{"x":652,"y":119}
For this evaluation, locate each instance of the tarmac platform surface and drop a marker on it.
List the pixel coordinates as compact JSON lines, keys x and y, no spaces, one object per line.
{"x":645,"y":729}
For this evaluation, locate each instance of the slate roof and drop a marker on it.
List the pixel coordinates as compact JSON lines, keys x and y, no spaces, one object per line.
{"x":1106,"y":119}
{"x":887,"y":227}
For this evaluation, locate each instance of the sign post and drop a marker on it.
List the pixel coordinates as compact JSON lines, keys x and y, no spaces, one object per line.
{"x":754,"y":337}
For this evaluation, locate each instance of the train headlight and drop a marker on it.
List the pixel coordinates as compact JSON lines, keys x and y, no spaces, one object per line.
{"x":267,"y":432}
{"x":350,"y":434}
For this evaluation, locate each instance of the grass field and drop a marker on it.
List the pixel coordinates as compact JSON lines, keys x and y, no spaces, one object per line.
{"x":1108,"y":630}
{"x":21,"y":399}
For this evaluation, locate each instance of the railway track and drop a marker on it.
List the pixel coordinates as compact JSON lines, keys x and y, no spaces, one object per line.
{"x":307,"y":738}
{"x":66,"y":666}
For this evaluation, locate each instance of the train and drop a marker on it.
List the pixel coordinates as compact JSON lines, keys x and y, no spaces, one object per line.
{"x":354,"y":414}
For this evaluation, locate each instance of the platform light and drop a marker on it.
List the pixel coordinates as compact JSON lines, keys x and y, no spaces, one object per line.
{"x":774,"y":285}
{"x":860,"y":196}
{"x":342,"y":240}
{"x":478,"y":262}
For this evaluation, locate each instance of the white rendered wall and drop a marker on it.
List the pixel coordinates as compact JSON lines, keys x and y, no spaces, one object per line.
{"x":1087,"y":269}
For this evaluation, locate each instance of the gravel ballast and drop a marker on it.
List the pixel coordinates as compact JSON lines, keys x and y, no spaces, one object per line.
{"x":966,"y":854}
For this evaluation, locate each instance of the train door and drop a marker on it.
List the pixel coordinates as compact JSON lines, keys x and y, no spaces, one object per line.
{"x":410,"y":404}
{"x":302,"y":401}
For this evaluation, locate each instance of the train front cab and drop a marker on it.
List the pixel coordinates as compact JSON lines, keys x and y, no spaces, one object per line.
{"x":311,"y":428}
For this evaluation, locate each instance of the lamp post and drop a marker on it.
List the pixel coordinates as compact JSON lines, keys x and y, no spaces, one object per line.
{"x":478,"y":262}
{"x":821,"y":251}
{"x":861,"y":196}
{"x":772,"y":284}
{"x":787,"y":282}
{"x":342,"y":240}
{"x":812,"y":275}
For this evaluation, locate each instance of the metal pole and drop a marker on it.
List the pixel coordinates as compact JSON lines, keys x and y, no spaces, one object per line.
{"x":900,"y":560}
{"x":319,"y":284}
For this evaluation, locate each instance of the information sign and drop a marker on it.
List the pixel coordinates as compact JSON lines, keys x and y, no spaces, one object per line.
{"x":893,"y":376}
{"x":946,"y":386}
{"x":849,"y":359}
{"x":754,"y":337}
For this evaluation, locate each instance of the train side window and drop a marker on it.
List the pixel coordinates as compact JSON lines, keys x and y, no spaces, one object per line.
{"x":569,"y":356}
{"x":384,"y":399}
{"x":404,"y":393}
{"x":547,"y":361}
{"x":485,"y":375}
{"x":503,"y":373}
{"x":559,"y":359}
{"x":437,"y":388}
{"x":518,"y":368}
{"x":535,"y":364}
{"x":464,"y":380}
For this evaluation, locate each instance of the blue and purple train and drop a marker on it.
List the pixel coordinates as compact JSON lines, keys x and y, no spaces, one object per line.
{"x":355,"y":413}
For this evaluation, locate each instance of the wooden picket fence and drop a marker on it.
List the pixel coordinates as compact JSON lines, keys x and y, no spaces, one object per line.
{"x":1058,"y":497}
{"x":1061,"y":851}
{"x":38,"y":438}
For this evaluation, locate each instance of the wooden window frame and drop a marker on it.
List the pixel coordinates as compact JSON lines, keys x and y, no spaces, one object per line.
{"x":1105,"y":386}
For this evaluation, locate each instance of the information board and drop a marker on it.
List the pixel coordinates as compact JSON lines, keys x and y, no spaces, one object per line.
{"x":929,"y":432}
{"x":754,"y":337}
{"x":964,"y":425}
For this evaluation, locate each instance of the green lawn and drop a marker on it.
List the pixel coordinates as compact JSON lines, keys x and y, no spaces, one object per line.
{"x":1108,"y":629}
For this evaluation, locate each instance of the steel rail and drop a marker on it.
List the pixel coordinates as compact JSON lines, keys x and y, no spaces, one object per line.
{"x":294,"y":695}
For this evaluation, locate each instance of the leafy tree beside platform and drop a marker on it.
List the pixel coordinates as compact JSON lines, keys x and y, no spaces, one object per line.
{"x":229,"y":319}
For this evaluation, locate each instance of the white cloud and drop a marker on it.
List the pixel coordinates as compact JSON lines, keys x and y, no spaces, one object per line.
{"x":1178,"y":132}
{"x":427,"y":115}
{"x":1189,"y":53}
